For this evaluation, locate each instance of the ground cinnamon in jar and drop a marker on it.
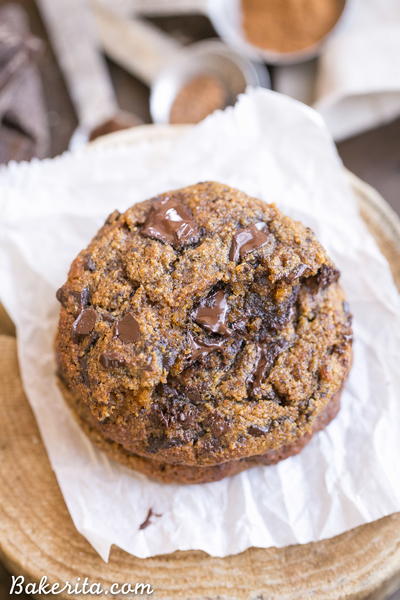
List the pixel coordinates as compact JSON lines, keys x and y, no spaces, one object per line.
{"x":289,"y":25}
{"x":198,"y":98}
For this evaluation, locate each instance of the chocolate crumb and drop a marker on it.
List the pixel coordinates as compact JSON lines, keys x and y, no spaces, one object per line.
{"x":148,"y":521}
{"x":212,"y":313}
{"x":247,"y":240}
{"x":200,"y":349}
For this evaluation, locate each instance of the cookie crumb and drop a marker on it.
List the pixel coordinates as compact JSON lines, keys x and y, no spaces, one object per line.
{"x":148,"y":521}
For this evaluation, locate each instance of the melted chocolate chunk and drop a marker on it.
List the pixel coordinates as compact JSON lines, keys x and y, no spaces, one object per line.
{"x":247,"y":240}
{"x":127,"y":329}
{"x":267,"y":354}
{"x":85,"y":322}
{"x":213,"y":315}
{"x":258,"y":430}
{"x":199,"y":349}
{"x":171,"y":222}
{"x":112,"y":360}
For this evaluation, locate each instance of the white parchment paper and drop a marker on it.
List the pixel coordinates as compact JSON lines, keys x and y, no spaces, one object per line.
{"x":276,"y":149}
{"x":355,"y":84}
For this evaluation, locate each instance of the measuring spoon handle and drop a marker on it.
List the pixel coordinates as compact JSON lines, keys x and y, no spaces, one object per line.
{"x":138,"y":46}
{"x":159,"y":7}
{"x":74,"y":40}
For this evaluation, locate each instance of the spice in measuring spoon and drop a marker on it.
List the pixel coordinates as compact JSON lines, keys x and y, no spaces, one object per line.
{"x":289,"y":25}
{"x":199,"y":97}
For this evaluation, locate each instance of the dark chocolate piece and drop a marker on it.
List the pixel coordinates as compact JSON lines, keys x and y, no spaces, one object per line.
{"x":112,"y":359}
{"x":60,"y":295}
{"x":85,"y":322}
{"x":247,"y":240}
{"x":81,"y":298}
{"x":213,"y":315}
{"x":200,"y":349}
{"x":258,"y":430}
{"x":267,"y":354}
{"x":127,"y":329}
{"x":171,"y":222}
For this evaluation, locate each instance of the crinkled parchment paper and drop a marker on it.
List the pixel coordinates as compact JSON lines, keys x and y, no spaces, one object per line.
{"x":274,"y":148}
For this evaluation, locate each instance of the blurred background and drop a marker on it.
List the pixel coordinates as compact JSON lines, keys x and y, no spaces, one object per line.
{"x":74,"y":70}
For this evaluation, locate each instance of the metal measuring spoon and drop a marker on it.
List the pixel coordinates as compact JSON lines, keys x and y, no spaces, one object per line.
{"x":166,"y":66}
{"x":73,"y":36}
{"x":226,"y":18}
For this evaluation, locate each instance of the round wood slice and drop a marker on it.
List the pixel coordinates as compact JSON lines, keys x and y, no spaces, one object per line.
{"x":37,"y":536}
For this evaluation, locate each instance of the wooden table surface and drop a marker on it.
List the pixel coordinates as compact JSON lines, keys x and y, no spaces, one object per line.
{"x":374,"y":156}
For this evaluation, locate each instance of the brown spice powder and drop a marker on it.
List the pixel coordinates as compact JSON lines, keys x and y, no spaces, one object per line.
{"x":289,"y":25}
{"x":198,"y":98}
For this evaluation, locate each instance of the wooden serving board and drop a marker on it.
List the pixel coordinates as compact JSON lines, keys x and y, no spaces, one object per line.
{"x":37,"y":536}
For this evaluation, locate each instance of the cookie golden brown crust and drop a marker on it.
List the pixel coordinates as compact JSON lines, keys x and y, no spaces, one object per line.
{"x":200,"y":331}
{"x":172,"y":473}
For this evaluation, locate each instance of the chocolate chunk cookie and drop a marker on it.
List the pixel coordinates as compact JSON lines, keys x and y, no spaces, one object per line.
{"x":202,"y":332}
